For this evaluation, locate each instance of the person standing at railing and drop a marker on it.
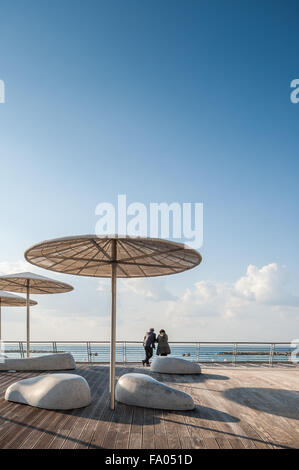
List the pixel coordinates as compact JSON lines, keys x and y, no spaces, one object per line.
{"x":163,"y":346}
{"x":149,"y":344}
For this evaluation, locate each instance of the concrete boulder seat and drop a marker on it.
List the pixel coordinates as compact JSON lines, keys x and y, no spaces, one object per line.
{"x":52,"y":392}
{"x":173,"y":365}
{"x":143,"y":390}
{"x":59,"y":361}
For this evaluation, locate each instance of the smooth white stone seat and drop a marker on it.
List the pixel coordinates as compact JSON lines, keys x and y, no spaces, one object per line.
{"x":52,"y":392}
{"x":143,"y":390}
{"x":173,"y":365}
{"x":59,"y":361}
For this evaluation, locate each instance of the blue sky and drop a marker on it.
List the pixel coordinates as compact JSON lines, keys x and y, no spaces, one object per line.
{"x":162,"y":101}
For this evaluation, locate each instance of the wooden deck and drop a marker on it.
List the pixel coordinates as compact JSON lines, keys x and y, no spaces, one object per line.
{"x":236,"y":407}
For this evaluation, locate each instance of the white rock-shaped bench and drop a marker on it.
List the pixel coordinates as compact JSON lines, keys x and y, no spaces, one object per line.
{"x":174,"y":365}
{"x":59,"y":361}
{"x":143,"y":390}
{"x":52,"y":392}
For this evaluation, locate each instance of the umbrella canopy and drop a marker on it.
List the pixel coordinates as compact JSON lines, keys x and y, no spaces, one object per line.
{"x":11,"y":300}
{"x":89,"y":255}
{"x":38,"y":284}
{"x":32,"y":283}
{"x":113,"y":256}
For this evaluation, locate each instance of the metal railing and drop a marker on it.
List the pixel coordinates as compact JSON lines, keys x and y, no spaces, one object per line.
{"x":133,"y":352}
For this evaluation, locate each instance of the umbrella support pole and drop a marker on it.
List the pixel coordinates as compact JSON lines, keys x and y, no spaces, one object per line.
{"x":113,"y":331}
{"x":28,"y":321}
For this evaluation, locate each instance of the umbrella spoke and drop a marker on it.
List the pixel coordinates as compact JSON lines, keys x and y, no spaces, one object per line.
{"x":101,"y":250}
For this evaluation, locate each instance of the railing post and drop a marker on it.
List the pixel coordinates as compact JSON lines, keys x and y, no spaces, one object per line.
{"x":271,"y":354}
{"x":21,"y":350}
{"x":124,"y":352}
{"x":198,"y":351}
{"x":235,"y":353}
{"x":89,"y":359}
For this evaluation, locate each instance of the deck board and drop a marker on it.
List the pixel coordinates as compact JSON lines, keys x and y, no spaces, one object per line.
{"x":236,"y":407}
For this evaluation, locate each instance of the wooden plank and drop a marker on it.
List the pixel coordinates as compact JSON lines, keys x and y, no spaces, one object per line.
{"x":160,"y":436}
{"x":124,"y":428}
{"x":224,"y":443}
{"x":135,"y":441}
{"x":115,"y":425}
{"x":102,"y":425}
{"x":236,"y":443}
{"x":148,"y":441}
{"x":171,"y":430}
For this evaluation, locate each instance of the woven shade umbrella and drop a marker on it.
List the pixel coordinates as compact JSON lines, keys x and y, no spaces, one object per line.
{"x":11,"y":300}
{"x":113,"y":257}
{"x":32,"y":284}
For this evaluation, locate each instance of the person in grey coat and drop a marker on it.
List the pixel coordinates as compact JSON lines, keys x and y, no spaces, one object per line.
{"x":163,"y":346}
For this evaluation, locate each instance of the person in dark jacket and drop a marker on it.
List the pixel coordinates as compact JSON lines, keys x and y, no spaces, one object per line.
{"x":163,"y":346}
{"x":149,"y":344}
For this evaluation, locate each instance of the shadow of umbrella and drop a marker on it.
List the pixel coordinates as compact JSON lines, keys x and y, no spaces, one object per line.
{"x":277,"y":402}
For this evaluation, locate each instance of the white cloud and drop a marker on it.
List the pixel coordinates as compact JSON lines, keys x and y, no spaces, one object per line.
{"x":12,"y":267}
{"x":268,"y":284}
